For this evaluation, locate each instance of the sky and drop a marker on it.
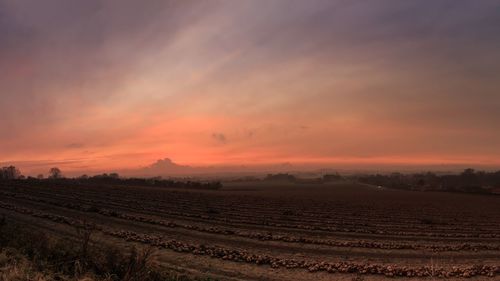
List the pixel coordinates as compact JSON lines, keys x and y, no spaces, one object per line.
{"x":119,"y":84}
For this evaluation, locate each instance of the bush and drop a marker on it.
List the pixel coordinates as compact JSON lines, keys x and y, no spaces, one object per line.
{"x":28,"y":254}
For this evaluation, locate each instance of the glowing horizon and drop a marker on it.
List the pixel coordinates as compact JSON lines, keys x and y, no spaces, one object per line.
{"x":113,"y":85}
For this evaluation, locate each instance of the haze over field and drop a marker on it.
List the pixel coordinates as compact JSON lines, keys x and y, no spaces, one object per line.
{"x":245,"y":140}
{"x":116,"y":85}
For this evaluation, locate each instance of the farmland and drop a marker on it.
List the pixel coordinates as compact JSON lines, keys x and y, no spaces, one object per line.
{"x":278,"y":230}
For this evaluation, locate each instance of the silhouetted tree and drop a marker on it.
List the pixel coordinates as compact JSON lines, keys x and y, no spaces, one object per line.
{"x":468,"y":172}
{"x":55,"y":173}
{"x":10,"y":173}
{"x":469,"y":177}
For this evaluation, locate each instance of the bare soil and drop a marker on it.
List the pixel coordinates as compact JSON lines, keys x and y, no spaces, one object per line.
{"x":281,"y":231}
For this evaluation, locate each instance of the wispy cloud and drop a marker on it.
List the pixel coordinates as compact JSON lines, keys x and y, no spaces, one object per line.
{"x":379,"y":79}
{"x":75,"y":145}
{"x":219,"y":137}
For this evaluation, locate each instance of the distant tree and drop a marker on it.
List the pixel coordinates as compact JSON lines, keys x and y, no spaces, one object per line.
{"x":468,"y":172}
{"x":10,"y":173}
{"x":55,"y":173}
{"x":114,"y":175}
{"x":83,"y":177}
{"x":469,"y":177}
{"x":40,"y":177}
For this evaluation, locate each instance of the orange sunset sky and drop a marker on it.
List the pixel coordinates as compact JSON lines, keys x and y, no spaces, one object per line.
{"x":93,"y":86}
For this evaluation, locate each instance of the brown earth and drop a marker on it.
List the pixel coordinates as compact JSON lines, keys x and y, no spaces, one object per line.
{"x":281,"y":231}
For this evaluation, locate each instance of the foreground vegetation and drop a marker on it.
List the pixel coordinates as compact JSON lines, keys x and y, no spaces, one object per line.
{"x":28,"y":254}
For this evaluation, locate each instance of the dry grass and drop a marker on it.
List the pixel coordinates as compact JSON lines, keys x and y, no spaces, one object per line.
{"x":29,"y":255}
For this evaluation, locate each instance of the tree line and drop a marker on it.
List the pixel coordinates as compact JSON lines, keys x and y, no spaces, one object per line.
{"x":55,"y":177}
{"x":468,"y":181}
{"x":13,"y":173}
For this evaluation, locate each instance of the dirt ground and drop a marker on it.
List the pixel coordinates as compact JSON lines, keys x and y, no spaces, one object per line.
{"x":281,"y":231}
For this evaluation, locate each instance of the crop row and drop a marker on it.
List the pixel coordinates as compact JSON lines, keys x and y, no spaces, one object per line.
{"x":265,"y":208}
{"x":359,"y":229}
{"x":361,"y":224}
{"x":268,"y":236}
{"x":311,"y":266}
{"x":275,"y":262}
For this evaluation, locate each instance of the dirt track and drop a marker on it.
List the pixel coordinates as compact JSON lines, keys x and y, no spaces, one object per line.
{"x":255,"y":231}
